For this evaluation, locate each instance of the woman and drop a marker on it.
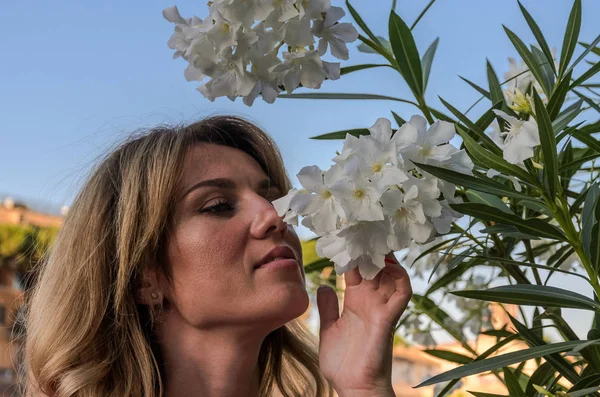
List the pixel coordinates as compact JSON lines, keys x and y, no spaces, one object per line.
{"x":173,"y":276}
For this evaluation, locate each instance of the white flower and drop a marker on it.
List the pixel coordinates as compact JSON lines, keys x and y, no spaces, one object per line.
{"x":334,"y":34}
{"x":283,"y":207}
{"x":428,"y":193}
{"x":301,"y":67}
{"x":297,"y":33}
{"x":245,"y":11}
{"x":443,"y":223}
{"x":220,"y":31}
{"x":315,"y":8}
{"x":324,"y":208}
{"x":359,"y":198}
{"x":366,"y":247}
{"x":407,"y":219}
{"x":377,"y":162}
{"x":520,"y":139}
{"x":348,"y":149}
{"x":283,"y":11}
{"x":267,"y":83}
{"x":229,"y":78}
{"x":429,"y":146}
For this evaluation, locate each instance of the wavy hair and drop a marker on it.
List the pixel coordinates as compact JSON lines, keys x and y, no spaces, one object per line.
{"x":85,"y":334}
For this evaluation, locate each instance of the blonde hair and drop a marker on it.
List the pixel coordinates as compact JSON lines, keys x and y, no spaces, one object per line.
{"x":85,"y":334}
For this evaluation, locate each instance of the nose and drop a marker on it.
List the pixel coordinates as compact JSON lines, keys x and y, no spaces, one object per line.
{"x":266,"y":221}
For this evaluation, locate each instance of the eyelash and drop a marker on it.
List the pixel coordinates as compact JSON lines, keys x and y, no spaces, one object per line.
{"x":217,"y":208}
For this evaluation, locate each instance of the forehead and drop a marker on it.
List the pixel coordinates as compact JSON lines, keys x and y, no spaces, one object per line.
{"x":208,"y":161}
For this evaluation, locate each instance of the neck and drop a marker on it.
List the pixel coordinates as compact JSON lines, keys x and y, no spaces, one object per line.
{"x":214,"y":362}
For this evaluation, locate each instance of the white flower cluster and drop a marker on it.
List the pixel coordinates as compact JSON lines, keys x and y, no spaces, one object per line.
{"x":238,"y":46}
{"x":374,"y":200}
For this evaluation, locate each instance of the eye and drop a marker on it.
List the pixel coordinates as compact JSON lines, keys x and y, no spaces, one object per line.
{"x":220,"y":206}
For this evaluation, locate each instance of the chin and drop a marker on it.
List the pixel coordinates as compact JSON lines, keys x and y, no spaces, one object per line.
{"x":287,"y":303}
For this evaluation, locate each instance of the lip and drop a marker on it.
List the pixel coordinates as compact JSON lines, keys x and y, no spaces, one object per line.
{"x":284,"y":252}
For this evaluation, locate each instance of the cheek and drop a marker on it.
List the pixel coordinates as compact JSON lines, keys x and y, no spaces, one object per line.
{"x":206,"y":263}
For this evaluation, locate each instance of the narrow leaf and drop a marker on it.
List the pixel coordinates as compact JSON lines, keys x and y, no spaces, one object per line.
{"x":548,"y":143}
{"x":500,"y":361}
{"x":355,"y":68}
{"x":335,"y":95}
{"x":483,"y":185}
{"x":557,"y":99}
{"x":571,"y":36}
{"x":361,"y":23}
{"x":406,"y":54}
{"x":478,"y":88}
{"x":488,"y":199}
{"x":528,"y":58}
{"x":428,"y":60}
{"x":449,"y":356}
{"x":586,"y":75}
{"x":588,"y":217}
{"x":535,"y":227}
{"x":533,"y":295}
{"x":512,"y":384}
{"x":399,"y":120}
{"x":342,"y":134}
{"x":496,"y":94}
{"x":537,"y":32}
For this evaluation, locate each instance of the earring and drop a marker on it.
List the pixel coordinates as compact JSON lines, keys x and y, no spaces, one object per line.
{"x":154,"y":295}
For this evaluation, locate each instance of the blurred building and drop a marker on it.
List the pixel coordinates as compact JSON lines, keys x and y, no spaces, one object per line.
{"x":11,"y":294}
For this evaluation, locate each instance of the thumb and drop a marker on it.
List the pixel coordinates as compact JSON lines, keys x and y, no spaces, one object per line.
{"x":329,"y":310}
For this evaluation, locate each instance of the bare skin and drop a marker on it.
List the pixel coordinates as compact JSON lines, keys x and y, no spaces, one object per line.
{"x":218,"y":307}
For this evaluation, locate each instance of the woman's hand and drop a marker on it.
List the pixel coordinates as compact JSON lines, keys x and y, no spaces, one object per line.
{"x":355,"y":349}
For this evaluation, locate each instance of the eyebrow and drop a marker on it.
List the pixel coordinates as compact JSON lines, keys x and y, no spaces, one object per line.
{"x":224,"y":183}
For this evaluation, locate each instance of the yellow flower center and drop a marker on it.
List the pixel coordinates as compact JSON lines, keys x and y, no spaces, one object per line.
{"x":325,"y":194}
{"x":359,"y":193}
{"x":376,"y":167}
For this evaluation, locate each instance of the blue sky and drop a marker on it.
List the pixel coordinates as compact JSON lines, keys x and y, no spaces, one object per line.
{"x":79,"y":76}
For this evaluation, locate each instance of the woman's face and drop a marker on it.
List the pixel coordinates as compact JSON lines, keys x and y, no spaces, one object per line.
{"x":224,"y":230}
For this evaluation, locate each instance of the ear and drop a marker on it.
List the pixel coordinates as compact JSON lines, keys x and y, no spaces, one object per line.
{"x":149,"y":293}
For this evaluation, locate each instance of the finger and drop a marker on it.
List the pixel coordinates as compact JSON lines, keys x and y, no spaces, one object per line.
{"x":352,"y":277}
{"x":387,"y":284}
{"x":373,"y":283}
{"x":403,"y":291}
{"x":329,"y":310}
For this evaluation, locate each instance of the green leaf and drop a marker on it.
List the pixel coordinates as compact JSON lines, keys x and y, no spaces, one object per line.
{"x":317,"y":266}
{"x":406,"y":54}
{"x":508,"y":231}
{"x":583,"y":392}
{"x":540,"y":376}
{"x":483,"y":185}
{"x":586,"y":75}
{"x":537,"y":32}
{"x":584,"y":53}
{"x":575,"y":164}
{"x":481,"y":394}
{"x":478,"y":132}
{"x":571,"y":36}
{"x":588,"y":218}
{"x":592,"y":380}
{"x":335,"y":95}
{"x":399,"y":120}
{"x":557,"y":99}
{"x":528,"y":264}
{"x":359,"y":21}
{"x":537,"y":206}
{"x":589,"y":140}
{"x":496,"y":94}
{"x":557,"y":361}
{"x":342,"y":134}
{"x":548,"y":143}
{"x":488,"y":199}
{"x":421,"y":14}
{"x":566,"y":116}
{"x":545,"y":68}
{"x":439,"y":316}
{"x":355,"y":68}
{"x":478,"y":88}
{"x":512,"y":384}
{"x":428,"y":60}
{"x":595,"y":50}
{"x":533,"y":295}
{"x":535,"y":227}
{"x":500,"y":361}
{"x":370,"y":46}
{"x":450,"y":276}
{"x":441,"y":116}
{"x":529,"y":59}
{"x":449,"y":356}
{"x":493,"y":160}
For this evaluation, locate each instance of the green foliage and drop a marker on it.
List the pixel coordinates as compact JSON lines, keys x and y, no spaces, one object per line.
{"x":553,"y":198}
